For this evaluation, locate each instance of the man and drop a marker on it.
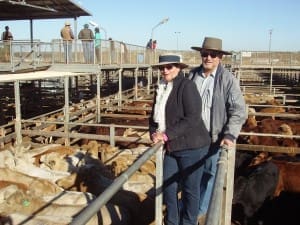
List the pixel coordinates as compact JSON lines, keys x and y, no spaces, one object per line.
{"x":149,"y":51}
{"x":149,"y":44}
{"x":223,"y":109}
{"x":67,"y":35}
{"x":112,"y":51}
{"x":87,"y":38}
{"x":7,"y":37}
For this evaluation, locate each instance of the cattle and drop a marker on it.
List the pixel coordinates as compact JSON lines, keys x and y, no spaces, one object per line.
{"x":273,"y":126}
{"x":252,"y":188}
{"x":142,"y":108}
{"x":2,"y":134}
{"x":286,"y":129}
{"x":92,"y":176}
{"x":25,"y":164}
{"x":273,"y":110}
{"x":258,"y":98}
{"x":67,"y":159}
{"x":260,"y":158}
{"x":295,"y":127}
{"x":268,"y":126}
{"x":262,"y":140}
{"x":19,"y":205}
{"x":288,"y":183}
{"x":289,"y":180}
{"x":250,"y":124}
{"x":35,"y":185}
{"x":89,"y":179}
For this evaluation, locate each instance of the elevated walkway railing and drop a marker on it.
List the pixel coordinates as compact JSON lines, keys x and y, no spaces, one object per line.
{"x":18,"y":54}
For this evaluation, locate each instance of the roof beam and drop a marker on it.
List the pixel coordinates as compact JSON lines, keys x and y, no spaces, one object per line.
{"x":23,"y":3}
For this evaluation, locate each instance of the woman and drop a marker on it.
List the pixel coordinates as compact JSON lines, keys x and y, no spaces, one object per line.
{"x":176,"y":120}
{"x":97,"y":43}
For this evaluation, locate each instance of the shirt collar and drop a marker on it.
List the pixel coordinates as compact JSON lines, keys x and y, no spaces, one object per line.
{"x":213,"y":74}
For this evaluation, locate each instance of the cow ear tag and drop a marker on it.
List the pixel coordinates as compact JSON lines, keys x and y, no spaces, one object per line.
{"x":26,"y":202}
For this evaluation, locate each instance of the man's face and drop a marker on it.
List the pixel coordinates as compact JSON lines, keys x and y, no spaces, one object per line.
{"x":210,"y":60}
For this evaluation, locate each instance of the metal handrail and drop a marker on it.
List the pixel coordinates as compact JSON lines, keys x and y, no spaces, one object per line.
{"x":102,"y":199}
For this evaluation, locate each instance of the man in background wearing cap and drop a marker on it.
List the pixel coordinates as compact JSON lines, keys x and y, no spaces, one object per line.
{"x":223,"y":109}
{"x":67,"y":35}
{"x":176,"y":121}
{"x":87,"y":39}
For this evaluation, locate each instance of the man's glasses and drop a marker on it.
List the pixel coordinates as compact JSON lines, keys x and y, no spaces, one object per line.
{"x":211,"y":53}
{"x":168,"y":67}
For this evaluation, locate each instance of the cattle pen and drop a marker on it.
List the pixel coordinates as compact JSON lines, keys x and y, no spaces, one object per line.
{"x":86,"y":114}
{"x":100,"y":101}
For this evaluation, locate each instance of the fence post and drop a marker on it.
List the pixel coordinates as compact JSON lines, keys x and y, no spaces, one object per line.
{"x":158,"y":186}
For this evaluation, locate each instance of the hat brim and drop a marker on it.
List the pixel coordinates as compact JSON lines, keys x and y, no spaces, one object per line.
{"x":216,"y":50}
{"x":181,"y":65}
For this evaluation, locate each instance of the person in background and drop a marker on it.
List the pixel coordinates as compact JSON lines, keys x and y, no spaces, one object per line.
{"x":7,"y":37}
{"x":175,"y":120}
{"x":124,"y":52}
{"x":112,"y":51}
{"x":149,"y":44}
{"x":87,"y":39}
{"x":154,"y":44}
{"x":223,"y":110}
{"x":98,"y":44}
{"x":149,"y":51}
{"x":67,"y":35}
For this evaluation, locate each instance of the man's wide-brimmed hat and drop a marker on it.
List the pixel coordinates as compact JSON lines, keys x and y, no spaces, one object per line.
{"x":170,"y":59}
{"x":67,"y":23}
{"x":213,"y":44}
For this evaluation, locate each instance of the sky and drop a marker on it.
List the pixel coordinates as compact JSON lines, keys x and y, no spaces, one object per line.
{"x":253,"y":25}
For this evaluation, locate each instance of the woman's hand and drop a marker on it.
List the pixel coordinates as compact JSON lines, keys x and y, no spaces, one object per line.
{"x":159,"y":136}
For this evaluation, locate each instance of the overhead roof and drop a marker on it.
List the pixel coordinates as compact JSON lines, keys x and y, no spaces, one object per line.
{"x":40,"y":9}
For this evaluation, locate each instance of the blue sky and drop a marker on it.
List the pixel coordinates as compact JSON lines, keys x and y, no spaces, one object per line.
{"x":242,"y":25}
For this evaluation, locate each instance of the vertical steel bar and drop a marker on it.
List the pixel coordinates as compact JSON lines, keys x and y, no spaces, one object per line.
{"x":18,"y":114}
{"x":112,"y":135}
{"x":66,"y":111}
{"x":229,"y":185}
{"x":149,"y":73}
{"x":98,"y":97}
{"x":158,"y":186}
{"x":120,"y":88}
{"x":136,"y":83}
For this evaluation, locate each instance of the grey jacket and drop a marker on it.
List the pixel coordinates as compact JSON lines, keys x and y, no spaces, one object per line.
{"x":228,"y":105}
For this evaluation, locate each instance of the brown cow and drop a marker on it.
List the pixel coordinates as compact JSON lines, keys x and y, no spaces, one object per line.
{"x":289,"y":179}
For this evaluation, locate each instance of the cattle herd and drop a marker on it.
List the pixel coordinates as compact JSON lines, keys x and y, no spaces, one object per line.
{"x":46,"y":182}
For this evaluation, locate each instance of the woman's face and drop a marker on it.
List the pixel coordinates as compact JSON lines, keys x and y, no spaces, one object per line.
{"x":169,"y":71}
